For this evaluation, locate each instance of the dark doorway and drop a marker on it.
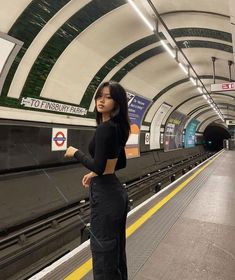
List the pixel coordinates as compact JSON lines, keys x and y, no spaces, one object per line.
{"x":214,"y":136}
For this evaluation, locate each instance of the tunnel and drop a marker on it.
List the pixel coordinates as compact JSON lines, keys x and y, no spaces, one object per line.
{"x":214,"y":136}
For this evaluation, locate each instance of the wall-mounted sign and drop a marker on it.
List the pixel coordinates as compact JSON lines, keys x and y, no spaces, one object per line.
{"x":173,"y":136}
{"x":137,"y":106}
{"x":161,"y":138}
{"x":147,"y":138}
{"x":9,"y":48}
{"x":59,"y":139}
{"x":47,"y":105}
{"x":190,"y":138}
{"x":223,"y":87}
{"x":230,"y":122}
{"x":6,"y":49}
{"x":156,"y":125}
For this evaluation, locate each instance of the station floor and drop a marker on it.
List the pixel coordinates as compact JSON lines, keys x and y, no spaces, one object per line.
{"x":185,"y":232}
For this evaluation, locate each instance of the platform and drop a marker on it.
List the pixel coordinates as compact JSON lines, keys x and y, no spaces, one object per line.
{"x":185,"y":232}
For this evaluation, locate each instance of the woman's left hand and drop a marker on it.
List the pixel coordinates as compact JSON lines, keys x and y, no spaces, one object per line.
{"x":87,"y":179}
{"x":70,"y":152}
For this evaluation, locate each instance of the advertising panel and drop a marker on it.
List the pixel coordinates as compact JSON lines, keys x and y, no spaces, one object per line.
{"x":190,"y":138}
{"x":137,"y":106}
{"x":156,"y":125}
{"x":6,"y":48}
{"x":173,"y":136}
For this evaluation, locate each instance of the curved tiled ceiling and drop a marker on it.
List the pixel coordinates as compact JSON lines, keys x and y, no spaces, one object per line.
{"x":70,"y":47}
{"x":27,"y":26}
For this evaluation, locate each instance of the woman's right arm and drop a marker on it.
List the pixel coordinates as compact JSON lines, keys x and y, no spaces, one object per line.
{"x":103,"y":140}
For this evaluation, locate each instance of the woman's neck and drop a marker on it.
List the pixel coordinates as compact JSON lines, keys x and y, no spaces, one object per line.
{"x":105,"y":118}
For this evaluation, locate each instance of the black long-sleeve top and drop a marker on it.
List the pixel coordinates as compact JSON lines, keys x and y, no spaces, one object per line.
{"x":105,"y":144}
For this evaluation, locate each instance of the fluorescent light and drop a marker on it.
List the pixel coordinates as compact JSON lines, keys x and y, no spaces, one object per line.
{"x":168,"y":49}
{"x":183,"y":68}
{"x":205,"y":96}
{"x":193,"y":81}
{"x":199,"y":89}
{"x":141,"y":15}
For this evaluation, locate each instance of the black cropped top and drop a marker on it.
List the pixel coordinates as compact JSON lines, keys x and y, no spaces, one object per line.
{"x":105,"y":144}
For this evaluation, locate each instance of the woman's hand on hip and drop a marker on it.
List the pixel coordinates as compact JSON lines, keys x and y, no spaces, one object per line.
{"x":87,"y":179}
{"x":70,"y":152}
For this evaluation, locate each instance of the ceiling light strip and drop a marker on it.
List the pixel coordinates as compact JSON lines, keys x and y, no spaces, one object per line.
{"x":172,"y":54}
{"x":141,"y":15}
{"x":183,"y":68}
{"x":202,"y":89}
{"x":178,"y":49}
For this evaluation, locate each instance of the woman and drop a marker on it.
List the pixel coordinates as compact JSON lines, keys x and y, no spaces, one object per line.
{"x":108,"y":199}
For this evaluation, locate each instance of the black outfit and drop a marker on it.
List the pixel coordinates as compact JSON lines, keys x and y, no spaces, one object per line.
{"x":108,"y":201}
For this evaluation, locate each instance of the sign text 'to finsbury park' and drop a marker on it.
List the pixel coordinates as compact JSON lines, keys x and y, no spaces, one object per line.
{"x":47,"y":105}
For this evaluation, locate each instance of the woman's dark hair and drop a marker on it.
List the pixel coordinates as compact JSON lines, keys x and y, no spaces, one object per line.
{"x":120,"y":112}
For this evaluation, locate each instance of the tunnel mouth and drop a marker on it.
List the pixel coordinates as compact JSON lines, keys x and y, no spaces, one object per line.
{"x":214,"y":136}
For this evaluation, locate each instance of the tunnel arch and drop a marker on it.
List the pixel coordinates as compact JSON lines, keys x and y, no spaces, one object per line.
{"x":214,"y":134}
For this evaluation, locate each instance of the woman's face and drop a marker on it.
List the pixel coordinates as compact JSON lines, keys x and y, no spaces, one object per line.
{"x":105,"y":103}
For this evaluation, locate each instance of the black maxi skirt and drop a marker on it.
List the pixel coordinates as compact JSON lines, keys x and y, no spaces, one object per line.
{"x":108,"y":202}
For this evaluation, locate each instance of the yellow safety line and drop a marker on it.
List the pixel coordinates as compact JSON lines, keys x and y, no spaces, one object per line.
{"x":87,"y":266}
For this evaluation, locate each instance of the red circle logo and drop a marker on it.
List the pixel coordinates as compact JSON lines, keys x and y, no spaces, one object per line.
{"x":59,"y":139}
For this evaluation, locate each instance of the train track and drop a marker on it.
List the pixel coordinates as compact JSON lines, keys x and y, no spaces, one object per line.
{"x":29,"y":249}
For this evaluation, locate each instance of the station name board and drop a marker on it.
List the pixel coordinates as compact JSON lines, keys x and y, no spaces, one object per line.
{"x":47,"y":105}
